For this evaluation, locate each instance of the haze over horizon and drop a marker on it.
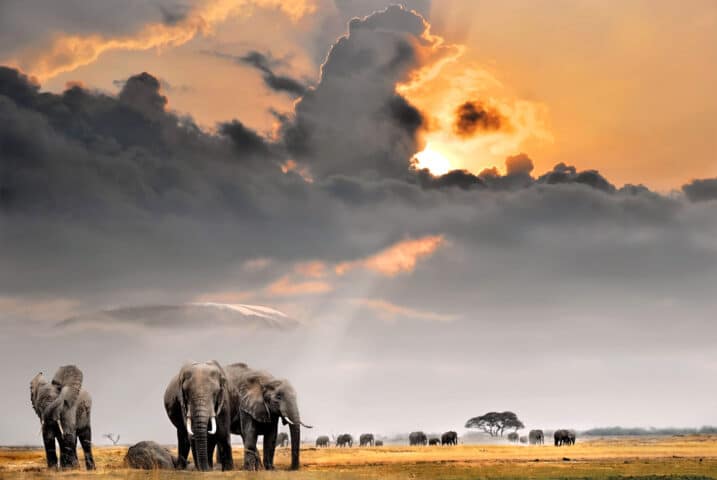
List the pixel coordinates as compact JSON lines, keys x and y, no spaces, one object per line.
{"x":414,"y":217}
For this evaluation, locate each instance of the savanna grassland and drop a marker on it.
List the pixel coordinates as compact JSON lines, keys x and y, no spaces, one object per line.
{"x":652,"y":457}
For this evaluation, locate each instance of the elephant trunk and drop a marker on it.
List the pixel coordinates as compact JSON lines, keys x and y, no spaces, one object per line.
{"x":199,"y":419}
{"x":295,"y":431}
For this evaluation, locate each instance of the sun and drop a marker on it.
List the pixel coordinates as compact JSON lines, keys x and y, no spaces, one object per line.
{"x":434,"y":161}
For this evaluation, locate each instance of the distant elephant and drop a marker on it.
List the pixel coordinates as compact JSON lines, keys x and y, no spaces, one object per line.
{"x":197,"y":404}
{"x":417,"y":438}
{"x":536,"y":437}
{"x":322,"y":441}
{"x":282,"y":439}
{"x":345,"y":440}
{"x":258,"y":401}
{"x":513,"y":437}
{"x":523,"y":439}
{"x":434,"y":441}
{"x":149,"y":456}
{"x":379,"y":443}
{"x":564,"y":437}
{"x":63,"y":407}
{"x":366,"y":440}
{"x":449,"y":438}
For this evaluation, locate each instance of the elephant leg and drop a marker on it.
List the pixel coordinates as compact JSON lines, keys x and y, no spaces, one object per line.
{"x":250,"y":436}
{"x":85,"y":436}
{"x":269,"y":446}
{"x":48,"y":439}
{"x":182,"y":449}
{"x":68,"y":450}
{"x":224,"y":452}
{"x":211,"y":443}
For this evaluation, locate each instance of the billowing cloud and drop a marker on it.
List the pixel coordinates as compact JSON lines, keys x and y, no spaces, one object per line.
{"x":68,"y":52}
{"x":399,"y":258}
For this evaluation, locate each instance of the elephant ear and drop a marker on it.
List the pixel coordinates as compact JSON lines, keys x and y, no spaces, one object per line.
{"x":184,"y":373}
{"x":251,"y":397}
{"x":68,"y":380}
{"x":222,"y":385}
{"x":35,"y":384}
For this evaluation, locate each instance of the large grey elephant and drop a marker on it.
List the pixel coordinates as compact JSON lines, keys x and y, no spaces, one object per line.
{"x":366,"y":440}
{"x":64,"y":408}
{"x":345,"y":440}
{"x":564,"y":437}
{"x":197,"y":403}
{"x":149,"y":455}
{"x":322,"y":441}
{"x":449,"y":438}
{"x":258,"y":401}
{"x":417,"y":438}
{"x":536,"y":437}
{"x":282,"y":439}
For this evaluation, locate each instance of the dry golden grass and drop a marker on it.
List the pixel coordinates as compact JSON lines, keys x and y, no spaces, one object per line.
{"x":679,"y":457}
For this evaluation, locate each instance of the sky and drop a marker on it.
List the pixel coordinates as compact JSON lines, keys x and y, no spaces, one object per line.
{"x":417,"y":213}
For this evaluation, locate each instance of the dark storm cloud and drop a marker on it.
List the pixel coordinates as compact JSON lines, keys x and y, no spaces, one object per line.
{"x":474,"y":117}
{"x":267,"y":65}
{"x":701,"y":190}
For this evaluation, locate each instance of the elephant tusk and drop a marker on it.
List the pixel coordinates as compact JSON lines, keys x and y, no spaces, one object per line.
{"x":59,"y":424}
{"x":305,"y":425}
{"x":189,"y":426}
{"x":212,"y":426}
{"x":287,"y":420}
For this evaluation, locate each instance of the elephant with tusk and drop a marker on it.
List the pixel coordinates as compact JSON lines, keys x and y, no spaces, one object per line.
{"x":258,"y":401}
{"x":197,"y":403}
{"x":63,"y":407}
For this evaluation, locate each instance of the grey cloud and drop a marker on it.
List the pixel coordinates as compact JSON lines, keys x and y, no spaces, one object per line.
{"x":474,"y":117}
{"x":701,"y":190}
{"x":266,"y":64}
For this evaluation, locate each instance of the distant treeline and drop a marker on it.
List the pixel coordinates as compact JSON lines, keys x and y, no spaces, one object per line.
{"x":615,"y":431}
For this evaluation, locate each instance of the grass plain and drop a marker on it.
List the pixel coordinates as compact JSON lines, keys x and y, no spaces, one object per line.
{"x":680,"y":457}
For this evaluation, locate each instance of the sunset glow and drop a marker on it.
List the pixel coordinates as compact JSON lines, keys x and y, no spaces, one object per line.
{"x":434,"y":161}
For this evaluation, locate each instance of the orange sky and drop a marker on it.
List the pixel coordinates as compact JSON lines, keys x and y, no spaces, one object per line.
{"x":626,"y":89}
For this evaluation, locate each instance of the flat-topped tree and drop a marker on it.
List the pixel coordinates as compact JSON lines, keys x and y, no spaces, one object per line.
{"x":494,"y":423}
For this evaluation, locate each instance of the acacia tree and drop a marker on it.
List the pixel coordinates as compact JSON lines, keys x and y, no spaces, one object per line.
{"x":494,"y":423}
{"x":112,"y":438}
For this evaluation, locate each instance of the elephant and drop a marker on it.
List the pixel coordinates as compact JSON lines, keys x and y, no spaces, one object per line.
{"x":417,"y":438}
{"x":345,"y":440}
{"x":434,"y":441}
{"x":379,"y":443}
{"x":523,"y":439}
{"x":366,"y":440}
{"x":449,"y":438}
{"x":197,"y":404}
{"x":564,"y":437}
{"x":536,"y":437}
{"x":149,"y":456}
{"x":258,"y":401}
{"x":282,"y":439}
{"x":513,"y":437}
{"x":63,"y":408}
{"x":322,"y":441}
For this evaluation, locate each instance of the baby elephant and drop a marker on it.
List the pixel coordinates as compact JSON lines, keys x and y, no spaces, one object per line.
{"x":149,"y":456}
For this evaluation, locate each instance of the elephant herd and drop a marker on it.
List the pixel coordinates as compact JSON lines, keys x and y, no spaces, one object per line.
{"x":346,"y":440}
{"x":206,"y":402}
{"x":536,"y":437}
